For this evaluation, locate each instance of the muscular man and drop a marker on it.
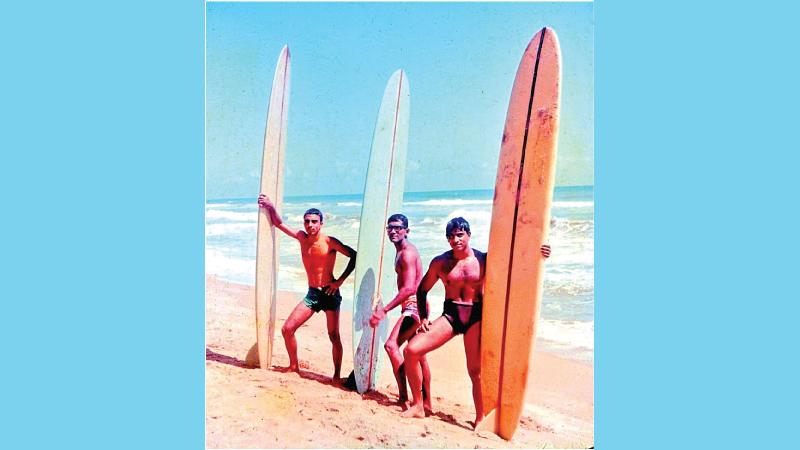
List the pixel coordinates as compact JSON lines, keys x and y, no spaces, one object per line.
{"x":462,"y":271}
{"x":318,"y":252}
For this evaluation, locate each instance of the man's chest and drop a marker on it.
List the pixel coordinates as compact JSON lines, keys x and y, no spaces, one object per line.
{"x":315,"y":249}
{"x":462,"y":272}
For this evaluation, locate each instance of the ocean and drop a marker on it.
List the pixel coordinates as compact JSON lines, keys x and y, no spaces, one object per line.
{"x":567,"y":317}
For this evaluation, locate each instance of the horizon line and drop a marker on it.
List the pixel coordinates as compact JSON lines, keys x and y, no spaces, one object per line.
{"x":404,"y":192}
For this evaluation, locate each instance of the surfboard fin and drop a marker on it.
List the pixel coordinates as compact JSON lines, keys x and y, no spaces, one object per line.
{"x":251,"y":360}
{"x":489,"y":423}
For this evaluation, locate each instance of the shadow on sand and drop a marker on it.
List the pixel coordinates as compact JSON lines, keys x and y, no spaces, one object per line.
{"x":448,"y":418}
{"x":224,"y":359}
{"x":384,"y":400}
{"x":319,"y":378}
{"x":377,"y":397}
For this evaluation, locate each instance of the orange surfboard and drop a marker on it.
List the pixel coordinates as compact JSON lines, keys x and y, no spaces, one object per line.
{"x":520,"y":225}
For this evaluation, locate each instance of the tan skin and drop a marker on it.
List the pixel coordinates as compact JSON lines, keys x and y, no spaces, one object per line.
{"x":318,"y":252}
{"x":408,"y":266}
{"x":462,"y":270}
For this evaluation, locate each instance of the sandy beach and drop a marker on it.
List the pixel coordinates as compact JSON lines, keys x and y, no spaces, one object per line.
{"x":254,"y":408}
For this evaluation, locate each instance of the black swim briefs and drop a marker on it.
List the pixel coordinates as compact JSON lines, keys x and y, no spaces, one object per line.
{"x":462,"y":315}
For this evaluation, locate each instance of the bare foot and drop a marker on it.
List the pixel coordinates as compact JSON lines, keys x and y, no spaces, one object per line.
{"x":426,"y":404}
{"x":413,"y":411}
{"x":403,"y":404}
{"x":293,"y":368}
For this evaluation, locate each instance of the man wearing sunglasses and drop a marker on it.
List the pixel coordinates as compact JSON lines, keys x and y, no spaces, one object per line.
{"x":408,"y":266}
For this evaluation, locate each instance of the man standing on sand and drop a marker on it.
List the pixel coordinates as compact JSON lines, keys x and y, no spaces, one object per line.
{"x":318,"y":252}
{"x":408,"y":266}
{"x":462,"y":271}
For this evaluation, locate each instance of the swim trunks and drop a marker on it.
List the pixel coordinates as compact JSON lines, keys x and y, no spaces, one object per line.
{"x":318,"y":300}
{"x":410,"y":308}
{"x":462,"y":315}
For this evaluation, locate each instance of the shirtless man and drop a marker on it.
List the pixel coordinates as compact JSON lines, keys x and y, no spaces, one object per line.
{"x":319,"y":256}
{"x":462,"y":271}
{"x":408,"y":266}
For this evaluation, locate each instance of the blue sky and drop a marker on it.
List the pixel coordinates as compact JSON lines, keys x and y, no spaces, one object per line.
{"x":460,"y":59}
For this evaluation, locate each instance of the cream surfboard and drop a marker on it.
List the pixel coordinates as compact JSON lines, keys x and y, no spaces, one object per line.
{"x":383,"y":196}
{"x":520,"y":225}
{"x":267,"y":253}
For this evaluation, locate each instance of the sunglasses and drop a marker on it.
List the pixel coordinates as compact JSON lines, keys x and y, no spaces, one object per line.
{"x":395,"y":228}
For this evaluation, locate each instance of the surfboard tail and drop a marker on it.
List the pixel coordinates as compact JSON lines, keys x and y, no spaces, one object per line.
{"x":489,"y":423}
{"x":371,"y":371}
{"x":251,"y":360}
{"x":376,"y":341}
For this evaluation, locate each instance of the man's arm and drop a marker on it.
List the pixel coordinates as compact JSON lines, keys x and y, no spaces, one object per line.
{"x":264,"y":202}
{"x":430,"y":278}
{"x":408,"y":273}
{"x":351,"y":264}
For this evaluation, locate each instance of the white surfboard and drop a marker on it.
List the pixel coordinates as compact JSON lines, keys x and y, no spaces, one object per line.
{"x":383,"y":196}
{"x":267,"y":251}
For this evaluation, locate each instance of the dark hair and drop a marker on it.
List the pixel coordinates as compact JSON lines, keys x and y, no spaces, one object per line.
{"x":398,"y":218}
{"x":457,"y":223}
{"x":313,"y":211}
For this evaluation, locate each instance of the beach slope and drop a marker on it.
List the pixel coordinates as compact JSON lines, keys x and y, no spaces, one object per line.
{"x":248,"y":408}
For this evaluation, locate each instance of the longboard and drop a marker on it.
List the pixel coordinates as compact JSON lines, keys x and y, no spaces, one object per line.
{"x":267,"y":251}
{"x":520,"y":225}
{"x":383,"y":196}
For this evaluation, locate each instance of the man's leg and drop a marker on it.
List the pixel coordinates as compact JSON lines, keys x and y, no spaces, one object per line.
{"x":407,"y":329}
{"x":392,"y":347}
{"x":298,"y":317}
{"x":332,"y":318}
{"x":439,"y":332}
{"x":472,"y":349}
{"x":426,"y":385}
